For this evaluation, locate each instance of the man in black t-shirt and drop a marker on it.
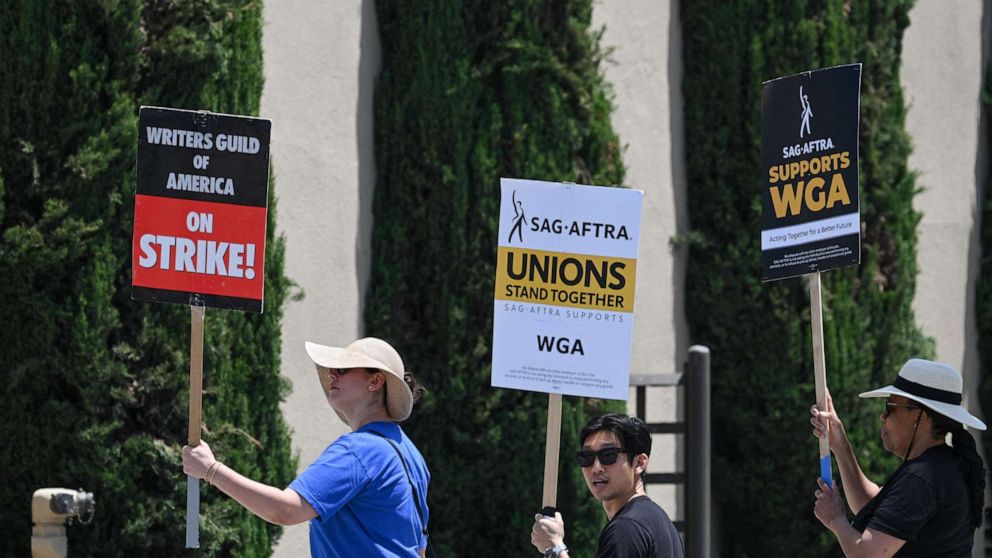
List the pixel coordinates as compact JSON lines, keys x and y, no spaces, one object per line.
{"x":636,"y":526}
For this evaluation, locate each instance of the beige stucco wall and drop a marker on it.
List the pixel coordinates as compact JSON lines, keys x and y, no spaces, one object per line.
{"x":941,"y":74}
{"x":320,"y":61}
{"x":646,"y":77}
{"x":943,"y":65}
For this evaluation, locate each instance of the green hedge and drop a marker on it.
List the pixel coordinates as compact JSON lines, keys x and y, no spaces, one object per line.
{"x":469,"y":92}
{"x":95,"y":385}
{"x":765,"y":460}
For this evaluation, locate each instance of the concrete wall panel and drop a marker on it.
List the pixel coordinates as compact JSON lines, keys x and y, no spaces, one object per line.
{"x":320,"y":62}
{"x":942,"y":75}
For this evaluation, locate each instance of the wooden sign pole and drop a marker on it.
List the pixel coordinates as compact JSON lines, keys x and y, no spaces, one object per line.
{"x":551,"y":447}
{"x":195,"y":400}
{"x":820,"y":370}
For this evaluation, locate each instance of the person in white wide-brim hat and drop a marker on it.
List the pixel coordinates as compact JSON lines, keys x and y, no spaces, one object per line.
{"x":932,"y":504}
{"x":366,"y":495}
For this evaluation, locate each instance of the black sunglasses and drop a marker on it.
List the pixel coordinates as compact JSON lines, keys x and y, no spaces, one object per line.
{"x":891,"y":405}
{"x":607,"y":456}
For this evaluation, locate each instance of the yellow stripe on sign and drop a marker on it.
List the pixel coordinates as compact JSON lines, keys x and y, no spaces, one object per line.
{"x":560,"y":279}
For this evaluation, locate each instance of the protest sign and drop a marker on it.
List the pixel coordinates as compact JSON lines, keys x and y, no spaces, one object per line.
{"x":810,"y":213}
{"x":200,"y":210}
{"x":564,"y":301}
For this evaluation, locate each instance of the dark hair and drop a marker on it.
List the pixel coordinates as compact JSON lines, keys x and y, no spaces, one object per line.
{"x":630,"y":431}
{"x":971,"y":462}
{"x":416,"y":389}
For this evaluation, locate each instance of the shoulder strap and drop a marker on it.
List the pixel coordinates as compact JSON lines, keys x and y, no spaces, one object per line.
{"x":413,"y":488}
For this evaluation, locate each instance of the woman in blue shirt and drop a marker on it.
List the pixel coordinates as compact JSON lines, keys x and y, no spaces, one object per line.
{"x":366,"y":495}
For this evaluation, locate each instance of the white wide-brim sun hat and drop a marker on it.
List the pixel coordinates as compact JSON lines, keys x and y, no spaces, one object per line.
{"x":369,"y":352}
{"x":935,"y":385}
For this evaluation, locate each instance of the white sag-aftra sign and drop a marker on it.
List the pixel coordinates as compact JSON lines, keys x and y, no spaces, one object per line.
{"x":564,"y":300}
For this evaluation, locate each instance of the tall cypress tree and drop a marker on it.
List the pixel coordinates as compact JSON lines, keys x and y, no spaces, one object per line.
{"x":95,"y":384}
{"x":764,"y":456}
{"x":471,"y":91}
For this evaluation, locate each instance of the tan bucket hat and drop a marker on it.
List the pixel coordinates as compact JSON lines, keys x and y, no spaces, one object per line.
{"x":933,"y":384}
{"x":369,"y":352}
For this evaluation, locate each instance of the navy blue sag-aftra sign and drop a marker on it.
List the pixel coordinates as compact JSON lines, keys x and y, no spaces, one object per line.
{"x":810,"y":213}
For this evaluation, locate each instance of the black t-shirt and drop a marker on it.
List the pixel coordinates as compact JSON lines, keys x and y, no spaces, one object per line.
{"x":925,"y":503}
{"x":641,"y":529}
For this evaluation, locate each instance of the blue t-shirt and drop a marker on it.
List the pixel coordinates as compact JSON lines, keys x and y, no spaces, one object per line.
{"x":362,"y":497}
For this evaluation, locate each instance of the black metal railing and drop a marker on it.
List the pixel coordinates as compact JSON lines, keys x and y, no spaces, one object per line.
{"x":695,"y":476}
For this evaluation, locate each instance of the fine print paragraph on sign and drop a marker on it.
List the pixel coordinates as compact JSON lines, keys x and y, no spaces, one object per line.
{"x":554,"y":376}
{"x":808,"y":256}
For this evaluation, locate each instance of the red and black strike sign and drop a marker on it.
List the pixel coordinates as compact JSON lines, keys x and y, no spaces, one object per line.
{"x":200,"y":209}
